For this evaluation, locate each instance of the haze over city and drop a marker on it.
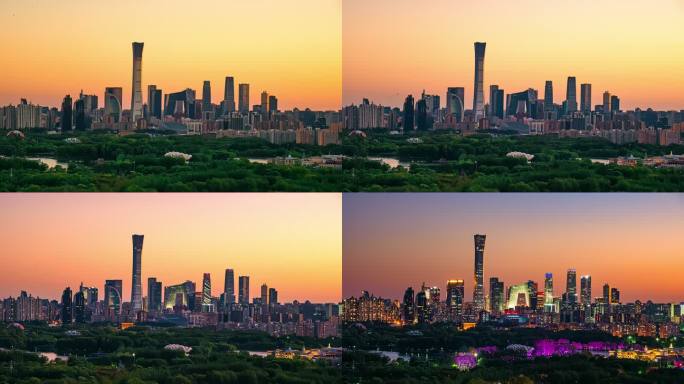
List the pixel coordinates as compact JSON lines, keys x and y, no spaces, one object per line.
{"x":392,"y":241}
{"x":289,"y":241}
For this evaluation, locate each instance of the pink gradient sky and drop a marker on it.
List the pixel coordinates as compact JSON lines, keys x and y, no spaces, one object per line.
{"x":631,"y":241}
{"x":290,"y":241}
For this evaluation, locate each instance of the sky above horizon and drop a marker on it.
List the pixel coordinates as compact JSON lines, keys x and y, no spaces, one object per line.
{"x":392,"y":48}
{"x":292,"y":242}
{"x":630,"y":241}
{"x":291,"y":49}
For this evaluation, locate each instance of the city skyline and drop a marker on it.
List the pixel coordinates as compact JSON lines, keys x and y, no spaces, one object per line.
{"x":262,"y":45}
{"x":184,"y":238}
{"x":527,"y":236}
{"x":384,"y":64}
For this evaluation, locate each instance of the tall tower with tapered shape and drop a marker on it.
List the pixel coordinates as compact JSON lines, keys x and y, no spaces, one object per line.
{"x":478,"y":289}
{"x":478,"y":89}
{"x":136,"y":283}
{"x":136,"y":98}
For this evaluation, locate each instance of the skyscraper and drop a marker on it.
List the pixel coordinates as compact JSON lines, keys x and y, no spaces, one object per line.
{"x":67,"y":115}
{"x":454,"y":298}
{"x":548,"y":95}
{"x":421,"y":115}
{"x":264,"y":103}
{"x":206,"y":293}
{"x":272,"y":104}
{"x":272,"y":296}
{"x":548,"y":293}
{"x":606,"y":298}
{"x":496,"y":295}
{"x":113,"y":295}
{"x":606,"y":102}
{"x":571,"y":286}
{"x":409,"y":314}
{"x":478,"y":89}
{"x":136,"y":86}
{"x":67,"y":307}
{"x":585,"y":98}
{"x":585,"y":291}
{"x":229,"y":287}
{"x":79,"y":307}
{"x":455,"y":100}
{"x":614,"y":104}
{"x":136,"y":282}
{"x":495,"y":102}
{"x":229,"y":95}
{"x":243,"y":98}
{"x":154,"y":295}
{"x":409,"y":118}
{"x":206,"y":96}
{"x":264,"y":294}
{"x":243,"y":289}
{"x":478,"y":287}
{"x":571,"y":95}
{"x":154,"y":102}
{"x":113,"y":102}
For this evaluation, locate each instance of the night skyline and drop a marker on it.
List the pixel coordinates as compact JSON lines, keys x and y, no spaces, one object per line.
{"x":184,"y":238}
{"x":420,"y":238}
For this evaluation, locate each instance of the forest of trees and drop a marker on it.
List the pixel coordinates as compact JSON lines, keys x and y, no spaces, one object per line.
{"x":442,"y":162}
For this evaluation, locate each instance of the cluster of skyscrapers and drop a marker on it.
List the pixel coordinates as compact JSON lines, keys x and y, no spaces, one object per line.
{"x":182,"y":112}
{"x":527,"y":303}
{"x":180,"y":304}
{"x":524,"y":111}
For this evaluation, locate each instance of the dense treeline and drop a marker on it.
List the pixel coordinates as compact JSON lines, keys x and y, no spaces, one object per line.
{"x":368,"y":368}
{"x":445,"y":337}
{"x":442,"y":162}
{"x":102,"y":354}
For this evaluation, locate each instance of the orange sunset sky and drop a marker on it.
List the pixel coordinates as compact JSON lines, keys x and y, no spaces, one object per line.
{"x":292,"y":242}
{"x":634,"y":48}
{"x":289,"y":48}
